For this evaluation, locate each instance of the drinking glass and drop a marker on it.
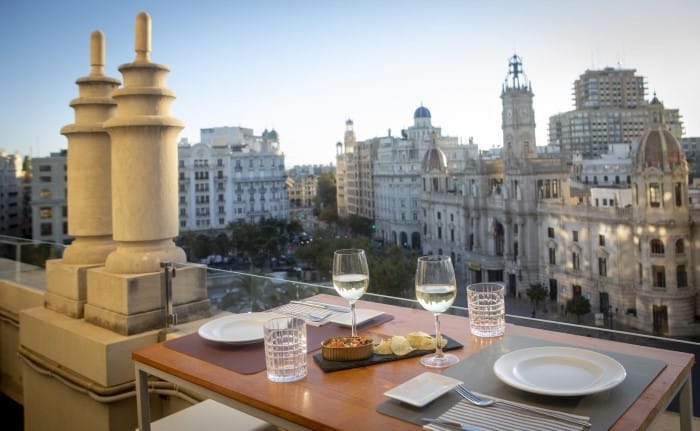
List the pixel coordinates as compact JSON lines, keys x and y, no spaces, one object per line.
{"x":436,"y":289}
{"x":350,"y":277}
{"x":285,"y":349}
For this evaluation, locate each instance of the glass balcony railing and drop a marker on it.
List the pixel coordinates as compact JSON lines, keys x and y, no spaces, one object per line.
{"x":239,"y":291}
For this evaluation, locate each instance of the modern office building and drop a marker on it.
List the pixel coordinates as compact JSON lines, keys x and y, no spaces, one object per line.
{"x":49,"y":209}
{"x":609,"y":107}
{"x":231,"y":175}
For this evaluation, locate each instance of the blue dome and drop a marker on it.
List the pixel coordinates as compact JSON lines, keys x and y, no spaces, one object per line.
{"x":422,"y":112}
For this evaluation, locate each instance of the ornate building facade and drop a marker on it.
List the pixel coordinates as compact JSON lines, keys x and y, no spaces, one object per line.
{"x":230,"y":175}
{"x":615,"y":230}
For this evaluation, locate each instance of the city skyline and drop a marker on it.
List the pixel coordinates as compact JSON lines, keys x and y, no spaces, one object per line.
{"x":304,"y":68}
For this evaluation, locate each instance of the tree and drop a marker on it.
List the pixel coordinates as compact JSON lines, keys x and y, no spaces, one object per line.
{"x":326,"y":191}
{"x":578,"y":305}
{"x":536,"y":292}
{"x":392,"y":272}
{"x":360,"y":225}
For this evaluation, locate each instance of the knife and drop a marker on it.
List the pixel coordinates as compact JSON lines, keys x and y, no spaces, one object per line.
{"x":323,"y":305}
{"x":452,"y":424}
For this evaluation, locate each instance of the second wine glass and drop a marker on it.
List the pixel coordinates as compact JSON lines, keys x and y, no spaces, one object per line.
{"x":350,"y":277}
{"x":436,"y":289}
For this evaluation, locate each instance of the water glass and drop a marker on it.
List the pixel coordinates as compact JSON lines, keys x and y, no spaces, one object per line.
{"x":487,"y":311}
{"x":285,"y":349}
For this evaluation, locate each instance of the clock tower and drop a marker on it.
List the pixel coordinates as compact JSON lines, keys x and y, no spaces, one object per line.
{"x":518,"y":121}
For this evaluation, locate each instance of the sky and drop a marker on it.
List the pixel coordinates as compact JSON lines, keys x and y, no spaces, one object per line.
{"x":305,"y":67}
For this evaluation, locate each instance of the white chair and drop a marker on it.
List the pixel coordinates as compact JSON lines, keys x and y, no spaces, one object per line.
{"x":210,"y":415}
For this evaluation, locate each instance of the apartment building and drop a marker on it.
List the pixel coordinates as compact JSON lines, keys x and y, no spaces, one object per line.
{"x":230,"y":175}
{"x":49,"y":209}
{"x":10,"y":194}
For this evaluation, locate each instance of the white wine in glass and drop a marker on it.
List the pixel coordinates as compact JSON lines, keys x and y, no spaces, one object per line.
{"x":350,"y":277}
{"x":436,"y":289}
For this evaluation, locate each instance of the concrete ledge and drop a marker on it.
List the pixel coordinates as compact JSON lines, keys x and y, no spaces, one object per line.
{"x":96,"y":353}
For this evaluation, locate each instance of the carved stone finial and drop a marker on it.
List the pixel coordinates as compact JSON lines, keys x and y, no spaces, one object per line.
{"x":143,"y":37}
{"x":97,"y":53}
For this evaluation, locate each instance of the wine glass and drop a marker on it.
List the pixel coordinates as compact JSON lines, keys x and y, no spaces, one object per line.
{"x":350,"y":277}
{"x":436,"y":289}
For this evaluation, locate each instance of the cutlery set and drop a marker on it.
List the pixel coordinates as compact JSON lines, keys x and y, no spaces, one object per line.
{"x":483,"y":401}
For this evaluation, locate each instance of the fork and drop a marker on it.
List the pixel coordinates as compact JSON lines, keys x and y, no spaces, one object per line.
{"x":483,"y":401}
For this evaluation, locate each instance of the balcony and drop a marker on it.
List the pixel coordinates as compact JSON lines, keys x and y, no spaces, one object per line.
{"x":23,"y":283}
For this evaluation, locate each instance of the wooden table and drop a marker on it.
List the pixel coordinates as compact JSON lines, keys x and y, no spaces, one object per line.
{"x":346,"y":400}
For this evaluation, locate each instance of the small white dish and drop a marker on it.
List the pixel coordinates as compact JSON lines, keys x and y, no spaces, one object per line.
{"x":244,"y":328}
{"x":423,"y":388}
{"x":362,"y":315}
{"x":559,"y":371}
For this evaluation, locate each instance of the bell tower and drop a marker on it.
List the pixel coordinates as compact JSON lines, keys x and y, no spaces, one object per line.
{"x":518,"y":123}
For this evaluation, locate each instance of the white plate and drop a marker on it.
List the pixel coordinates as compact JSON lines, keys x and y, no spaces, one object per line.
{"x":237,"y":328}
{"x":423,"y":388}
{"x":361,"y":316}
{"x":563,"y":371}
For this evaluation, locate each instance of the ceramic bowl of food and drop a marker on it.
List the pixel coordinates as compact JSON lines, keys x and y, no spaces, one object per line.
{"x":347,"y":348}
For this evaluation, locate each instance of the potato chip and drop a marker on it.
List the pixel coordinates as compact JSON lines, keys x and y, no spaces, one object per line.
{"x":421,"y":341}
{"x":400,"y":345}
{"x":383,"y":348}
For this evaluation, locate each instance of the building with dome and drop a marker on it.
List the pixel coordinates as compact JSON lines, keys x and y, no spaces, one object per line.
{"x":616,"y":231}
{"x":379,"y":178}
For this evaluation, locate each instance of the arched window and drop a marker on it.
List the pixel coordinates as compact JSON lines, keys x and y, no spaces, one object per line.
{"x":680,"y":247}
{"x":657,"y":246}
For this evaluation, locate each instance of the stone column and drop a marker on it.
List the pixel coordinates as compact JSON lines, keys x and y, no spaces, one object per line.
{"x":89,"y":188}
{"x":126,"y":293}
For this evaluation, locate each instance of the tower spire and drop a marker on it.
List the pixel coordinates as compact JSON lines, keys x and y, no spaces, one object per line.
{"x":516,"y":78}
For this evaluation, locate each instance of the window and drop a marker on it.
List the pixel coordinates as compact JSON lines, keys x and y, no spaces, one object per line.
{"x":439,"y":232}
{"x":678,"y":194}
{"x":654,"y":195}
{"x":46,"y":212}
{"x":680,"y":247}
{"x":657,"y":246}
{"x":602,"y":266}
{"x":515,"y":228}
{"x":552,"y":256}
{"x":601,"y":240}
{"x":515,"y":249}
{"x":452,"y":235}
{"x":575,"y":261}
{"x":659,"y":273}
{"x":574,"y":235}
{"x":439,"y":215}
{"x":46,"y":229}
{"x":550,"y":232}
{"x":45,"y":168}
{"x":681,"y":276}
{"x":45,"y":193}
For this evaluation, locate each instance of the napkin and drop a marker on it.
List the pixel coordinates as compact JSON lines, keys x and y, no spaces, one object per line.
{"x":303,"y":311}
{"x":501,"y":418}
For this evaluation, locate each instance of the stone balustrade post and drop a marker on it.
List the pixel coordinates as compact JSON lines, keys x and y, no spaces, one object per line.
{"x":125,"y":296}
{"x":88,"y":187}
